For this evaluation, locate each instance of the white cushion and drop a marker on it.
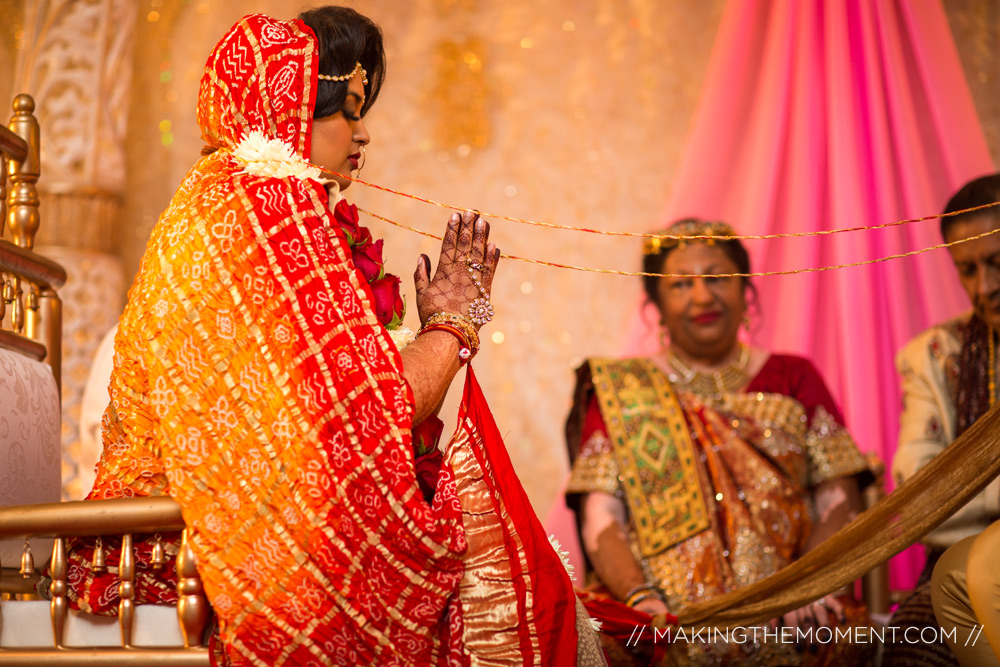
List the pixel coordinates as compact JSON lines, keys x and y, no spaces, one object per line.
{"x":27,"y":623}
{"x":30,"y":452}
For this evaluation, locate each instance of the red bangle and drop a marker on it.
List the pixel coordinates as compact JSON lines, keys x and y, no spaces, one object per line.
{"x":465,"y":352}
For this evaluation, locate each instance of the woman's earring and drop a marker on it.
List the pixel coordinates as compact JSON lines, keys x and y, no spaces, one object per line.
{"x":363,"y":155}
{"x":746,"y":322}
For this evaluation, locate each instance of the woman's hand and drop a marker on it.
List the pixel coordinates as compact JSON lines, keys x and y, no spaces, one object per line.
{"x":453,"y":287}
{"x":431,"y":361}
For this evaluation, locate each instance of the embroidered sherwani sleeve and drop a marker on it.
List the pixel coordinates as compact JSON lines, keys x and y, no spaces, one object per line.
{"x":927,"y":427}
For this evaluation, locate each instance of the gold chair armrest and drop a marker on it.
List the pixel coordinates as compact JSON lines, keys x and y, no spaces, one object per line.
{"x":120,"y":516}
{"x":91,"y":517}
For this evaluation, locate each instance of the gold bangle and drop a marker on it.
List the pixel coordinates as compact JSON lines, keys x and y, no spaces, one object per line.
{"x":459,"y":321}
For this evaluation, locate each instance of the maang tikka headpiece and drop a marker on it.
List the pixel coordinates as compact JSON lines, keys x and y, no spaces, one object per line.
{"x":687,"y":228}
{"x":347,"y":77}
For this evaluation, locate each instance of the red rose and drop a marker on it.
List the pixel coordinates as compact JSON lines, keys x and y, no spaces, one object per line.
{"x":388,"y":301}
{"x":346,"y":216}
{"x":363,"y":236}
{"x":368,"y":259}
{"x":426,"y":435}
{"x":427,"y":469}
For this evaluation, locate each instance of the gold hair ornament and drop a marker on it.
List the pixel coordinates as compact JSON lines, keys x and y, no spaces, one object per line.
{"x":348,"y":76}
{"x":693,"y":230}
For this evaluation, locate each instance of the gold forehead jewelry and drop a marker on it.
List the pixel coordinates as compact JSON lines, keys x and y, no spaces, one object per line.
{"x":347,"y":77}
{"x":655,"y":244}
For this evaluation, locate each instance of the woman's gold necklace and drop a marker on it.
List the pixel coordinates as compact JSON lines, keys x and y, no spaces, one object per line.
{"x":726,"y":380}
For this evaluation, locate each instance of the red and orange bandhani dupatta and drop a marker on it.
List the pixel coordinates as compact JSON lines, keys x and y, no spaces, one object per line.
{"x":254,"y":384}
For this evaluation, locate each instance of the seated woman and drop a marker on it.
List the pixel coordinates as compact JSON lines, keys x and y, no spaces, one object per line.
{"x":257,"y":382}
{"x":714,"y":464}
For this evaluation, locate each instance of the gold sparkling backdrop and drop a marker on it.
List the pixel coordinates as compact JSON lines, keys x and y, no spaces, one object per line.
{"x":460,"y":97}
{"x":11,"y":34}
{"x":570,"y":111}
{"x":976,"y":27}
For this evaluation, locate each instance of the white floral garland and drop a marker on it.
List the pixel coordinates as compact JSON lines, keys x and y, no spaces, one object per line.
{"x":261,"y":156}
{"x":402,"y":336}
{"x":273,"y":158}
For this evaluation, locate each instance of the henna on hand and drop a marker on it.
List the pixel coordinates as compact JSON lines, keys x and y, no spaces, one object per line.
{"x":431,"y":362}
{"x":452,"y":289}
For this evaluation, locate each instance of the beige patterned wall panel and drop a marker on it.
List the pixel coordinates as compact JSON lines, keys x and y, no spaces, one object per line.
{"x":92,"y":301}
{"x":76,"y":60}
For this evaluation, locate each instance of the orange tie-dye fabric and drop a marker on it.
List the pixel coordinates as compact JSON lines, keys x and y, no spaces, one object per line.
{"x":254,"y":384}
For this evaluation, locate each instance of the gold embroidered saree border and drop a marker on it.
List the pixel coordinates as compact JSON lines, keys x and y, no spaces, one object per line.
{"x":491,"y":617}
{"x":656,"y":457}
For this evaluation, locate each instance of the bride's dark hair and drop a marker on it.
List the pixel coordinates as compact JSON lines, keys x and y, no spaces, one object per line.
{"x":345,"y":39}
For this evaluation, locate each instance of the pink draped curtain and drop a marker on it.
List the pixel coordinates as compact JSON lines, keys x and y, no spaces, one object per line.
{"x":819,"y":115}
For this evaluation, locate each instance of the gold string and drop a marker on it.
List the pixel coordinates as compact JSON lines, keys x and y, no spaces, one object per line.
{"x":652,"y":235}
{"x":699,"y":275}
